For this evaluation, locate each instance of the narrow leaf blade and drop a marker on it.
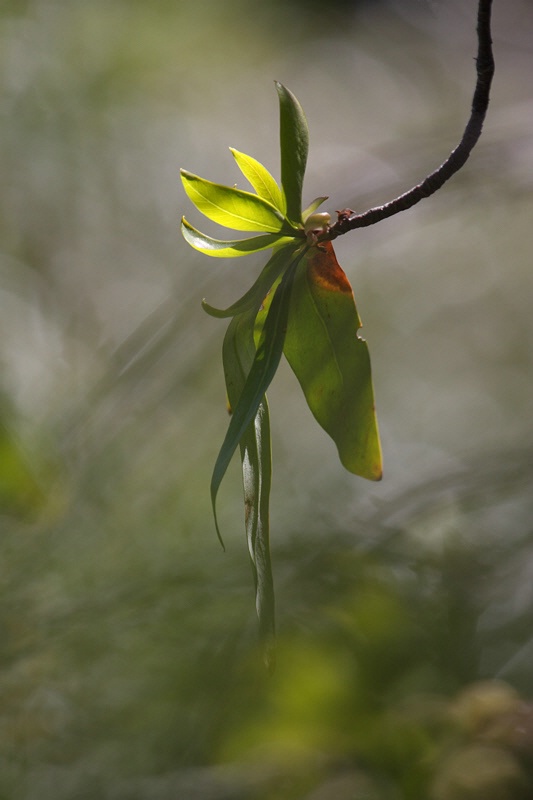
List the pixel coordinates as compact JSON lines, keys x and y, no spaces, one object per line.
{"x":255,"y":449}
{"x":294,"y":143}
{"x":261,"y":373}
{"x":331,"y":362}
{"x":233,"y":208}
{"x":316,"y":203}
{"x":219,"y":248}
{"x":260,"y":179}
{"x":255,"y":296}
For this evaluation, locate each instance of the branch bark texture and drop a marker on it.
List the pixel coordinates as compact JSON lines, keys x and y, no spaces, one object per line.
{"x":348,"y":220}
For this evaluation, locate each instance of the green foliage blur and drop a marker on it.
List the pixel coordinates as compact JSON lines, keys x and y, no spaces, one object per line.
{"x":129,"y":662}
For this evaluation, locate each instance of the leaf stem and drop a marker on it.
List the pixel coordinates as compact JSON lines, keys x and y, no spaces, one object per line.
{"x":349,"y":220}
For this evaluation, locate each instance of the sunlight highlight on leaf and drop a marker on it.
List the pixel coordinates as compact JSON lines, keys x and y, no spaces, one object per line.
{"x":301,"y":304}
{"x":260,"y":179}
{"x":219,"y":248}
{"x":231,"y":207}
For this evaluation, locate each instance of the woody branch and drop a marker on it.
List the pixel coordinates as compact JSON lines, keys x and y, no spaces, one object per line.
{"x":348,"y":220}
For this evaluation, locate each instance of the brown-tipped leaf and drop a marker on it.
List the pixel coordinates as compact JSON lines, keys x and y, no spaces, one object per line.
{"x":331,"y":362}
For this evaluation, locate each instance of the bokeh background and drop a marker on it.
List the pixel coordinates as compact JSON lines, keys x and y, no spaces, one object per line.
{"x":129,"y":662}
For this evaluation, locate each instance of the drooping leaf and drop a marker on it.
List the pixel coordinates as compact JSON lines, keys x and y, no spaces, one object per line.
{"x":233,"y":208}
{"x":254,"y":297}
{"x":262,"y":371}
{"x":219,"y":248}
{"x":331,"y":362}
{"x":301,"y":304}
{"x":255,"y":449}
{"x":261,"y":179}
{"x":294,"y":143}
{"x":256,"y":474}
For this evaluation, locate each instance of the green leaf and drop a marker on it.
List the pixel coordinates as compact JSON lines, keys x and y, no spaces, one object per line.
{"x":255,"y":296}
{"x":256,"y":474}
{"x":331,"y":362}
{"x":255,"y":449}
{"x":313,"y":207}
{"x":261,"y":373}
{"x":231,"y":207}
{"x":261,"y":179}
{"x":218,"y":248}
{"x":294,"y":142}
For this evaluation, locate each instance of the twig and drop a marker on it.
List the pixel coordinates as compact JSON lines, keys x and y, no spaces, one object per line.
{"x":348,"y":220}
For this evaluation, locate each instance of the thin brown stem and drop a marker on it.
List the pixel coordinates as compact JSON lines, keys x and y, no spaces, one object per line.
{"x":348,"y":220}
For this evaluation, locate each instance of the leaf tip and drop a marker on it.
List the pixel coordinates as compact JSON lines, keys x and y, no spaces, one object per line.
{"x":375,"y":467}
{"x":219,"y":535}
{"x":282,"y":90}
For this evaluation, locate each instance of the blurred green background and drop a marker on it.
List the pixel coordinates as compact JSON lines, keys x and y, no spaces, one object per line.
{"x":129,"y":664}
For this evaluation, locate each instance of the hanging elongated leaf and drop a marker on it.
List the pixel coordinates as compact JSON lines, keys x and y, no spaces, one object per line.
{"x":255,"y":448}
{"x":261,"y":373}
{"x":331,"y":362}
{"x":261,"y":179}
{"x":254,"y":297}
{"x":294,"y":142}
{"x":219,"y":248}
{"x":257,"y":474}
{"x":231,"y":207}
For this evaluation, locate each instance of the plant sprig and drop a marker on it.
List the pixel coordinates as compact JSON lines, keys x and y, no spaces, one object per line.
{"x":301,"y":305}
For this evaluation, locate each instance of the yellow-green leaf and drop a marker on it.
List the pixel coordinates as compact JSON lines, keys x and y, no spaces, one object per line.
{"x":233,"y":208}
{"x":261,"y":179}
{"x":219,"y":248}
